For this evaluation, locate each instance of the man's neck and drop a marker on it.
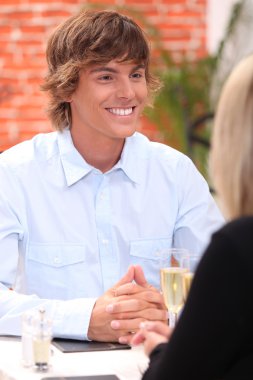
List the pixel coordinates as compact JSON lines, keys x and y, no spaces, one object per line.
{"x":102,"y":154}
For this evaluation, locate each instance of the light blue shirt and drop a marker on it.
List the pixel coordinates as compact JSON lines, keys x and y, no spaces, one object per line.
{"x":68,"y":232}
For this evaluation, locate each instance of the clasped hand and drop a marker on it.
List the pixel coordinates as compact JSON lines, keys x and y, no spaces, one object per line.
{"x":117,"y":314}
{"x":151,"y":334}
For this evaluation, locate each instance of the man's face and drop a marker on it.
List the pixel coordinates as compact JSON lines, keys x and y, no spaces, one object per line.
{"x":109,"y":100}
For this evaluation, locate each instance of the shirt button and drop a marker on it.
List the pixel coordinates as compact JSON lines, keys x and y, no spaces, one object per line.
{"x":105,"y":241}
{"x":57,"y":260}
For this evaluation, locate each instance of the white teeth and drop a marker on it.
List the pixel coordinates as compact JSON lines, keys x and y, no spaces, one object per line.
{"x":121,"y":111}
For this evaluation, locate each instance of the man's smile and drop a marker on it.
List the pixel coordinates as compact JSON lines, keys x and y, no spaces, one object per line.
{"x":121,"y":111}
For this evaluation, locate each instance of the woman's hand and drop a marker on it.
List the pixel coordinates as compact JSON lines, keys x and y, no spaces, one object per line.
{"x":151,"y":334}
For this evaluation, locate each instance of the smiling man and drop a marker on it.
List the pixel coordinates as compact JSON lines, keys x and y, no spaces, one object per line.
{"x":84,"y":209}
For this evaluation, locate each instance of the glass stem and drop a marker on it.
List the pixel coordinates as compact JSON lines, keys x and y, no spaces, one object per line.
{"x":172,"y":319}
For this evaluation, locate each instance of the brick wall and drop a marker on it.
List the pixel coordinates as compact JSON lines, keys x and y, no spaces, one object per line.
{"x":24,"y":28}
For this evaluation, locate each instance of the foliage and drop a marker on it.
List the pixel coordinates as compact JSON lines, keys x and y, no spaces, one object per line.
{"x":185,"y":98}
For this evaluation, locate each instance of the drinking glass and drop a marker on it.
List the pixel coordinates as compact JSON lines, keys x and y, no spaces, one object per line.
{"x":172,"y":272}
{"x":190,"y":262}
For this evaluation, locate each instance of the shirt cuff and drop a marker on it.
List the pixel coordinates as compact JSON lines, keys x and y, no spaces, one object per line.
{"x":71,"y":318}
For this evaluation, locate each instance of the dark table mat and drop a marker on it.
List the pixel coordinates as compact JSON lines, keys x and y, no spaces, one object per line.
{"x":94,"y":377}
{"x":71,"y":345}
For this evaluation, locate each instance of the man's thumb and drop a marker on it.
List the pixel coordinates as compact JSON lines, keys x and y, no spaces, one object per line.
{"x":139,"y":276}
{"x":128,"y":277}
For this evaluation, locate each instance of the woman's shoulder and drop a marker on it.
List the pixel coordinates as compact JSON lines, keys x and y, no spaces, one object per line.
{"x":243,"y":225}
{"x":237,"y":234}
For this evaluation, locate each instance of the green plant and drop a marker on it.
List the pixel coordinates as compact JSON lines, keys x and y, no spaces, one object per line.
{"x":185,"y":97}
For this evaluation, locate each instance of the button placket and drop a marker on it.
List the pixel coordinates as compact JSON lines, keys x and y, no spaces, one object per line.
{"x":107,"y":254}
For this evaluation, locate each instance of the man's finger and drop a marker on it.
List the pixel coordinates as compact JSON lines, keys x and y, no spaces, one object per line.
{"x":127,"y":278}
{"x":126,"y":339}
{"x":127,"y":325}
{"x":129,"y":289}
{"x":147,"y":314}
{"x":139,"y":276}
{"x":131,"y":305}
{"x":147,"y":296}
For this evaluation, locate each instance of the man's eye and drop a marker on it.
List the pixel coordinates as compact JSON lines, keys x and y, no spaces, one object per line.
{"x":105,"y":77}
{"x":137,"y":75}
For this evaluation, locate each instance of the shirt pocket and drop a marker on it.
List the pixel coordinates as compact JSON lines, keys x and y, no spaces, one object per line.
{"x":143,"y":253}
{"x":53,"y":271}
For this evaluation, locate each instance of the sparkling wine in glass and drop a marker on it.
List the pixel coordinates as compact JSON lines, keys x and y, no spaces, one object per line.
{"x":191,"y":262}
{"x":172,"y":280}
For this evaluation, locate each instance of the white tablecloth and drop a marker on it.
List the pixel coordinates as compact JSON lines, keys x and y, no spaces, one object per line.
{"x":126,"y":364}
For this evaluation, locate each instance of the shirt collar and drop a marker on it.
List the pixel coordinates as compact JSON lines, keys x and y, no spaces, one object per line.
{"x":75,"y":167}
{"x":129,"y":161}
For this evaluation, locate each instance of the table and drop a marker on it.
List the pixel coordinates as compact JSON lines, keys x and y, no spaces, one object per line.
{"x":126,"y":364}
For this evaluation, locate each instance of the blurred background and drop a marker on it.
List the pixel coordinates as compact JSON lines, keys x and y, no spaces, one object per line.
{"x":195,"y":45}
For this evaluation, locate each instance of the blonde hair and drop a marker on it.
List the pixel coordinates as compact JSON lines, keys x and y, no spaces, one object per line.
{"x":231,"y":159}
{"x":90,"y":37}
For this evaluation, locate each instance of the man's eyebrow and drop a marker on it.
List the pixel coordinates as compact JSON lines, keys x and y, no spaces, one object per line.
{"x":140,"y":66}
{"x":99,"y":69}
{"x":112,"y":70}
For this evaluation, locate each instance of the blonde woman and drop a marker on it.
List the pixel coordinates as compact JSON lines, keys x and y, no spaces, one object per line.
{"x":214,"y":336}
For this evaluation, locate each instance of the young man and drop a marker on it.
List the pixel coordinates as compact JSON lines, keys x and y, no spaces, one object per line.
{"x":83,"y":210}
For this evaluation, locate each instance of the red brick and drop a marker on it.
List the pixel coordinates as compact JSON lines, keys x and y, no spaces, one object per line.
{"x":5,"y":29}
{"x":55,"y":13}
{"x":75,"y":2}
{"x":22,"y":15}
{"x":174,"y":2}
{"x":32,"y":29}
{"x":49,"y":2}
{"x":136,"y":3}
{"x":30,"y":42}
{"x":10,"y":2}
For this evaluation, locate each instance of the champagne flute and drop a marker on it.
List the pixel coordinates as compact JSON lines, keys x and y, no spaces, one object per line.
{"x":191,"y":262}
{"x":172,"y":280}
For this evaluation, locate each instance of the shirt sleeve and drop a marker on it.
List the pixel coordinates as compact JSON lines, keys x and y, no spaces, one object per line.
{"x":11,"y":229}
{"x":214,"y":326}
{"x":71,"y":317}
{"x":198,"y":215}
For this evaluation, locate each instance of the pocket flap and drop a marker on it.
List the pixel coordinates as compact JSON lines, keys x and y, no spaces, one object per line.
{"x":148,"y":248}
{"x":57,"y":255}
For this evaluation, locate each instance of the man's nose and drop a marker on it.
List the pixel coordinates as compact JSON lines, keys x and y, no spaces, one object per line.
{"x":125,"y":89}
